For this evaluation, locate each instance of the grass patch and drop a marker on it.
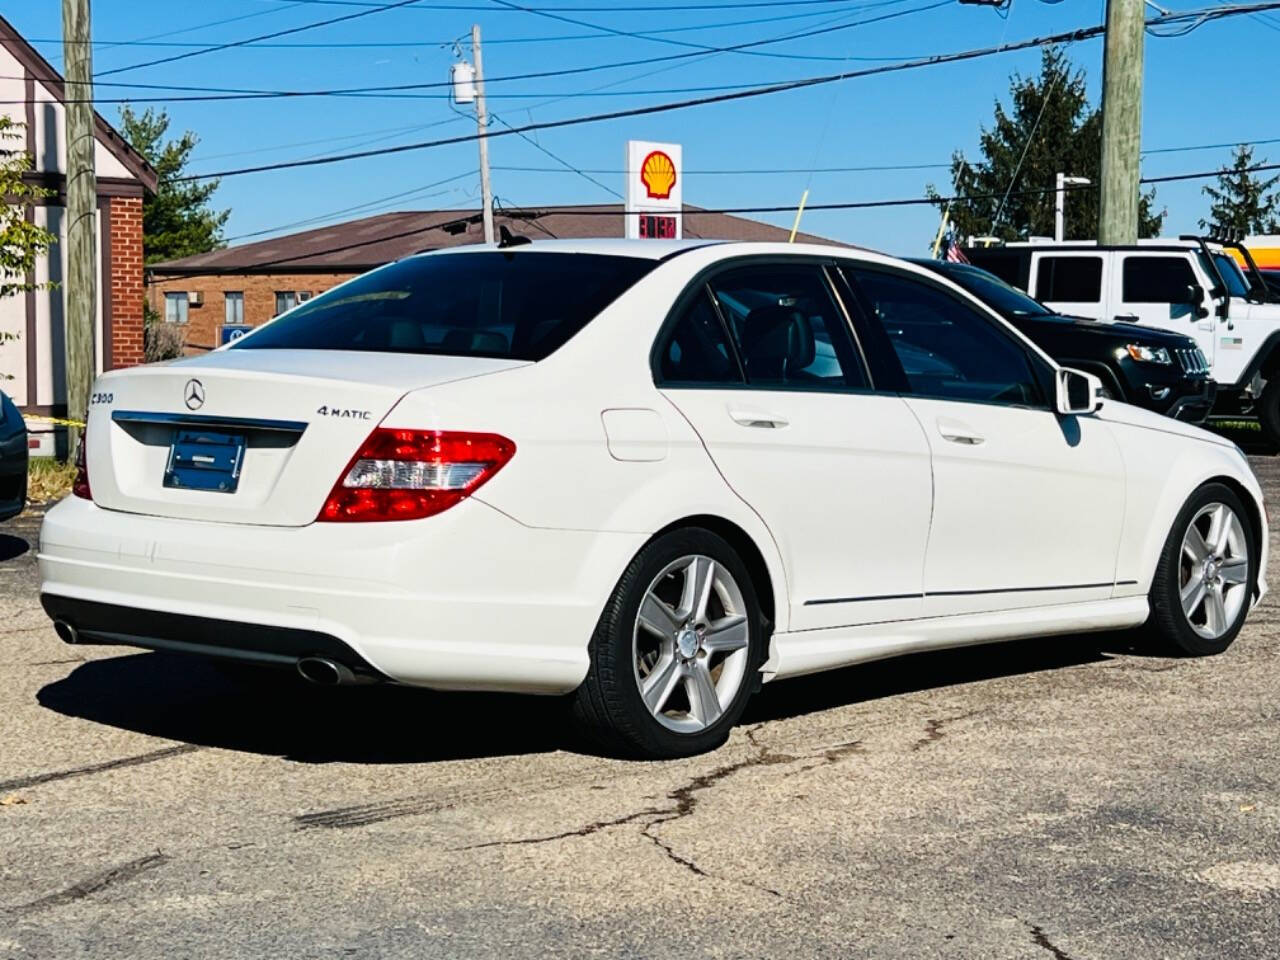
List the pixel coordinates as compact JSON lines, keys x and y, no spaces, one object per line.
{"x":49,"y":479}
{"x":1244,"y":426}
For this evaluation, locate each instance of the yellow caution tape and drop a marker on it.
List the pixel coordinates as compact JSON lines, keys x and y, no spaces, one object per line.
{"x":56,"y":420}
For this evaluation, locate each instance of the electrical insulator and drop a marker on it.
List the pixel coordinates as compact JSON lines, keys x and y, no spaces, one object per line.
{"x":463,"y":77}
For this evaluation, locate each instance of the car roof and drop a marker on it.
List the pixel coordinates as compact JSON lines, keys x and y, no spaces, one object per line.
{"x":653,"y":249}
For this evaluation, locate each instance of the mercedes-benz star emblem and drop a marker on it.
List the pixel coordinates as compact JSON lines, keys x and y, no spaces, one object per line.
{"x":194,"y":394}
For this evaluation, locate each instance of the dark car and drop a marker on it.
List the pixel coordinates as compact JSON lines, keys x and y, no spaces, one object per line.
{"x":1157,"y":369}
{"x":13,"y":459}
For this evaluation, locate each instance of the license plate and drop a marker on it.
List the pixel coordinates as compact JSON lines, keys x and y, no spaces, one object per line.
{"x":205,"y":460}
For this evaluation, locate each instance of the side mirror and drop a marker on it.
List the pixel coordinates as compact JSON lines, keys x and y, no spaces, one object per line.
{"x":1195,"y":299}
{"x":1077,"y":392}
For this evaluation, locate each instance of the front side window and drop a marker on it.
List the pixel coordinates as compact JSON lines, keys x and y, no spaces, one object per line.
{"x":696,"y":350}
{"x":787,"y":328}
{"x":492,"y":303}
{"x":175,"y":307}
{"x":1157,"y":279}
{"x":1069,"y":279}
{"x":234,"y":300}
{"x":948,"y":350}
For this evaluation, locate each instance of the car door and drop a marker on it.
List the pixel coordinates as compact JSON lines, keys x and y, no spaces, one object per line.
{"x":1027,"y":505}
{"x":1151,"y":288}
{"x":761,"y":360}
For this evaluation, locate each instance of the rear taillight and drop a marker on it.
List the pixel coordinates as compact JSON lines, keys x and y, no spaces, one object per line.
{"x":80,"y":485}
{"x":411,"y":474}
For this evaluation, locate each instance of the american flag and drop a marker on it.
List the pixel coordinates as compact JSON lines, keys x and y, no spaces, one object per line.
{"x":954,"y":254}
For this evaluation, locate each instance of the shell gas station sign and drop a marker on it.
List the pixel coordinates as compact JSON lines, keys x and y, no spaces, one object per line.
{"x":654,"y":194}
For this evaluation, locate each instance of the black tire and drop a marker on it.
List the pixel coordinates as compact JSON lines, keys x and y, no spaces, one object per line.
{"x":1169,"y":624}
{"x":608,"y":705}
{"x":1269,"y":410}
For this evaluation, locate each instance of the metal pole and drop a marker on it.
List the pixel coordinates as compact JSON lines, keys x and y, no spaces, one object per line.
{"x":1121,"y":122}
{"x":482,"y":122}
{"x":81,"y":296}
{"x":1059,"y":203}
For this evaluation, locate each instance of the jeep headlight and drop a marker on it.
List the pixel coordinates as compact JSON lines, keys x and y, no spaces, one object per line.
{"x":1145,"y":354}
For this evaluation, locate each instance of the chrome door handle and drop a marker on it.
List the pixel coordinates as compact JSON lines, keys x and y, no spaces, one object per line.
{"x":758,"y":418}
{"x":1126,"y":318}
{"x":959,"y":433}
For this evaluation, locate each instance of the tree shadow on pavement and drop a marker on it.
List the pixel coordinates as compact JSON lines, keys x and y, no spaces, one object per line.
{"x":273,"y":712}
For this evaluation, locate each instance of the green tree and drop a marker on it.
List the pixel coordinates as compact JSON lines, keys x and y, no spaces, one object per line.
{"x":22,"y":242}
{"x":1048,"y":128}
{"x":178,"y":220}
{"x":1242,"y":201}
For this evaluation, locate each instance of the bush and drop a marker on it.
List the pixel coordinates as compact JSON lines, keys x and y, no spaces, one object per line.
{"x":163,"y":341}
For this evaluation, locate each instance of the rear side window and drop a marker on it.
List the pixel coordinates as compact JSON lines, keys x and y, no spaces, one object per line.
{"x":521,"y":306}
{"x":1069,"y":279}
{"x":1157,"y":279}
{"x":696,"y":349}
{"x":787,"y":328}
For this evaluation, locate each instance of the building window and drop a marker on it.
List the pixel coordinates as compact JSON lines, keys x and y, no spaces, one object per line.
{"x":304,"y":296}
{"x":235,"y":306}
{"x":285,"y":300}
{"x":175,"y":308}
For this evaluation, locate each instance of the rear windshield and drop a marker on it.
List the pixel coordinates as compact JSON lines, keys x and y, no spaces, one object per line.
{"x":521,"y":306}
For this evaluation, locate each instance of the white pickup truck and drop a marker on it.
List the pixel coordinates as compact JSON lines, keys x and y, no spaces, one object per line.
{"x":1190,"y":285}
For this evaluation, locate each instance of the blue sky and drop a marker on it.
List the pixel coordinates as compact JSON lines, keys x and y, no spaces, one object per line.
{"x":1206,"y":87}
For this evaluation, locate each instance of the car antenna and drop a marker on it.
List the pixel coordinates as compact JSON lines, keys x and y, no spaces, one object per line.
{"x":508,"y":239}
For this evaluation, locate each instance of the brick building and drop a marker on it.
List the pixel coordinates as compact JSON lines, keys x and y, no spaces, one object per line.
{"x":32,"y":95}
{"x":254,"y":282}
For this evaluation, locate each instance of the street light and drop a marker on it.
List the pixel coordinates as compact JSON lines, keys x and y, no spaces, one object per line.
{"x":1059,"y":202}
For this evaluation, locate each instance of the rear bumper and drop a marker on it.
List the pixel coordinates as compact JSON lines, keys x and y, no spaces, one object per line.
{"x":469,"y":599}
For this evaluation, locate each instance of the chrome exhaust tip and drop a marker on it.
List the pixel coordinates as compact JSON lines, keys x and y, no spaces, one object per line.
{"x":325,"y":672}
{"x":66,"y":632}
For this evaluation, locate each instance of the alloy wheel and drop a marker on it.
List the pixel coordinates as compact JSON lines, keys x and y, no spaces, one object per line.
{"x":691,"y":644}
{"x":1213,"y":580}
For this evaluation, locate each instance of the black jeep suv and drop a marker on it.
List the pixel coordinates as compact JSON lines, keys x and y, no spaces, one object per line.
{"x":1157,"y":369}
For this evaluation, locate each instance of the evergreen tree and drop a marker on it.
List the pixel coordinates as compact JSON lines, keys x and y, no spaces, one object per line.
{"x":1242,"y":201}
{"x":1048,"y":128}
{"x":178,"y":220}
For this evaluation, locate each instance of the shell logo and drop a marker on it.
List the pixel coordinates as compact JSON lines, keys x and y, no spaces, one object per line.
{"x":658,"y":174}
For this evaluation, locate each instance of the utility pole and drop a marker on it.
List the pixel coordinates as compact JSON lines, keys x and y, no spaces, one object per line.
{"x":81,"y":296}
{"x":1121,"y":122}
{"x":482,"y":124}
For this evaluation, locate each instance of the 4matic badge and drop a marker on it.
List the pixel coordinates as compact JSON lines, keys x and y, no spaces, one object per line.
{"x":327,"y":411}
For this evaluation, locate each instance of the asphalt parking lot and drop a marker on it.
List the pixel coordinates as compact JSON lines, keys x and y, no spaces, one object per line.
{"x":1069,"y":798}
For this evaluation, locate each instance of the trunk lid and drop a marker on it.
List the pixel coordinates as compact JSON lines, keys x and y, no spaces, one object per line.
{"x":248,"y":436}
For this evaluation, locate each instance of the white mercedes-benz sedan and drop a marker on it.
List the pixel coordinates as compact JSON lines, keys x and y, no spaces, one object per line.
{"x":649,"y":474}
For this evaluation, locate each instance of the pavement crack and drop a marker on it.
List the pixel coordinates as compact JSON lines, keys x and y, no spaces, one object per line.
{"x":1041,"y":940}
{"x":96,"y":883}
{"x":582,"y":831}
{"x":21,"y":783}
{"x":935,"y":729}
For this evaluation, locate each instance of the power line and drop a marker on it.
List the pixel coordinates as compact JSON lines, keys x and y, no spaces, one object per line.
{"x":749,"y":93}
{"x":392,"y":44}
{"x":234,"y":93}
{"x":1084,"y":33}
{"x":725,"y":211}
{"x":265,"y":36}
{"x":612,"y":8}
